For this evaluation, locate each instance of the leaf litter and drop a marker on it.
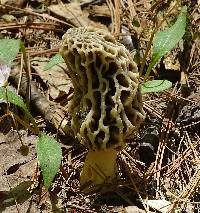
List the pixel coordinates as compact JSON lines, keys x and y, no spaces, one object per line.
{"x":172,"y":175}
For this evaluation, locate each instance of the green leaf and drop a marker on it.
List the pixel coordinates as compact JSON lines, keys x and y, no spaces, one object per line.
{"x":13,"y":98}
{"x":49,"y":155}
{"x":56,"y":59}
{"x":166,"y":40}
{"x":19,"y":193}
{"x":155,"y":86}
{"x":135,"y":23}
{"x":8,"y":50}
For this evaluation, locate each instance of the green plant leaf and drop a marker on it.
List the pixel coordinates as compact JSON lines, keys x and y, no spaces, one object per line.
{"x":8,"y":50}
{"x":49,"y":155}
{"x":135,"y":23}
{"x":13,"y":98}
{"x":166,"y":40}
{"x":155,"y":86}
{"x":19,"y":193}
{"x":56,"y":59}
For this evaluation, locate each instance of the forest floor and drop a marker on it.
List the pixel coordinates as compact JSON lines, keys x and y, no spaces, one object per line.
{"x":159,"y":171}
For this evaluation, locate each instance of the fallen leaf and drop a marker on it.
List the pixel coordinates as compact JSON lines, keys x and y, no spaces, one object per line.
{"x":56,"y":79}
{"x":71,"y":12}
{"x":160,"y":205}
{"x":133,"y":209}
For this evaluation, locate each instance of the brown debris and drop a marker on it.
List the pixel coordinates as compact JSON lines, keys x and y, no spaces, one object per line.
{"x":174,"y":175}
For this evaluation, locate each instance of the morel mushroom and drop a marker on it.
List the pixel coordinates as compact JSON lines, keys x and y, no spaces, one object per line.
{"x":106,"y":106}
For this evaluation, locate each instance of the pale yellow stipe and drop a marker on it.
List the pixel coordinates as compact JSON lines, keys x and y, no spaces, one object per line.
{"x":100,"y":167}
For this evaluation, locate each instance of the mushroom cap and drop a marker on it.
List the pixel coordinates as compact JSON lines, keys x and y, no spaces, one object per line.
{"x":107,"y":104}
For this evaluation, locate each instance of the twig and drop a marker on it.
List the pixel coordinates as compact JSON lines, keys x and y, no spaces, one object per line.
{"x":117,"y":19}
{"x":111,"y":8}
{"x":33,"y":25}
{"x":45,"y":16}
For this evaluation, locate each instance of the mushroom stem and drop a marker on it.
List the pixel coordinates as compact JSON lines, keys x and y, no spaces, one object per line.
{"x":100,"y":167}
